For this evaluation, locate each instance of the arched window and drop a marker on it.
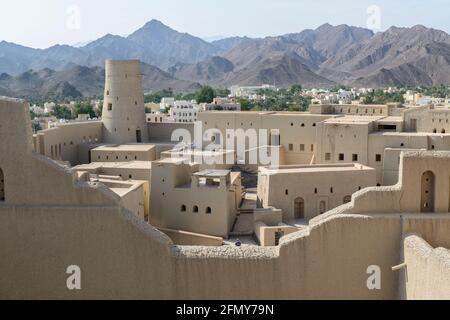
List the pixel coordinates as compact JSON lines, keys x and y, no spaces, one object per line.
{"x":427,"y":196}
{"x":299,"y":208}
{"x":195,"y":210}
{"x":208,"y":210}
{"x":347,"y":199}
{"x":183,"y":208}
{"x":2,"y":186}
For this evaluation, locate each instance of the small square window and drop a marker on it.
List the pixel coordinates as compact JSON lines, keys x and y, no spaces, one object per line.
{"x":302,"y":147}
{"x":291,"y":147}
{"x":327,"y":156}
{"x":341,"y":157}
{"x":110,"y":106}
{"x":378,"y":158}
{"x":355,"y":157}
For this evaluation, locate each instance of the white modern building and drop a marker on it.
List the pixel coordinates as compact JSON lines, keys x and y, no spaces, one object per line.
{"x":184,"y":111}
{"x":250,"y":91}
{"x":49,"y":106}
{"x":344,"y":96}
{"x":167,"y":103}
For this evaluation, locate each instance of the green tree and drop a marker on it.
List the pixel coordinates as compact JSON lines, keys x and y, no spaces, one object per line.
{"x":98,"y":112}
{"x":33,"y":115}
{"x":35,"y":125}
{"x":223,"y":93}
{"x":84,"y":108}
{"x":296,"y":89}
{"x":246,"y":105}
{"x":62,"y":112}
{"x":205,"y":95}
{"x":156,"y":97}
{"x":381,"y":97}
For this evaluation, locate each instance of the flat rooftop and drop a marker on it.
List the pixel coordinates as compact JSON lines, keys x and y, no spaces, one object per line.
{"x":176,"y":161}
{"x":212,"y":173}
{"x":121,"y":188}
{"x":125,"y":165}
{"x":408,"y":134}
{"x":354,"y":119}
{"x":314,"y":168}
{"x":391,"y":119}
{"x":354,"y":105}
{"x":126,"y":147}
{"x":197,"y":152}
{"x":268,"y":113}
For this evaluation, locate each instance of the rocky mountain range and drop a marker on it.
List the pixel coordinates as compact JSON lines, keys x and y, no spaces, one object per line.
{"x":324,"y":57}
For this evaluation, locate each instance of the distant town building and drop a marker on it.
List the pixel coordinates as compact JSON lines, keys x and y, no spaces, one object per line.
{"x":49,"y":106}
{"x":37,"y":110}
{"x":167,"y":103}
{"x":344,"y":96}
{"x":184,"y":111}
{"x":249,"y":92}
{"x":221,"y":104}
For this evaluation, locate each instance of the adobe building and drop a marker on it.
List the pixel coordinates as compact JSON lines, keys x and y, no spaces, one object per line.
{"x":112,"y":216}
{"x":403,"y":226}
{"x":309,"y":191}
{"x":328,"y":134}
{"x":124,"y":153}
{"x":204,"y":202}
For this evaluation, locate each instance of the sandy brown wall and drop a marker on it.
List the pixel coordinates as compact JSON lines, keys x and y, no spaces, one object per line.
{"x":428,"y":270}
{"x":121,"y":257}
{"x":163,"y":131}
{"x":68,"y":138}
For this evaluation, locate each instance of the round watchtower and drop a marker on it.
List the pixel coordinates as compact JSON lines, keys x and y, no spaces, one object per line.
{"x":123,"y":108}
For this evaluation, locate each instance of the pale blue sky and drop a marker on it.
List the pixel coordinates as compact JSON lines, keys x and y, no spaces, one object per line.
{"x":43,"y":23}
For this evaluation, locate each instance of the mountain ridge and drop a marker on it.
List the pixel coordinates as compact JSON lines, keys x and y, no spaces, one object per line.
{"x":325,"y":56}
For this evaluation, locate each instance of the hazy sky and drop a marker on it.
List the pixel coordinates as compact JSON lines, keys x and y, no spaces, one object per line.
{"x":43,"y":23}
